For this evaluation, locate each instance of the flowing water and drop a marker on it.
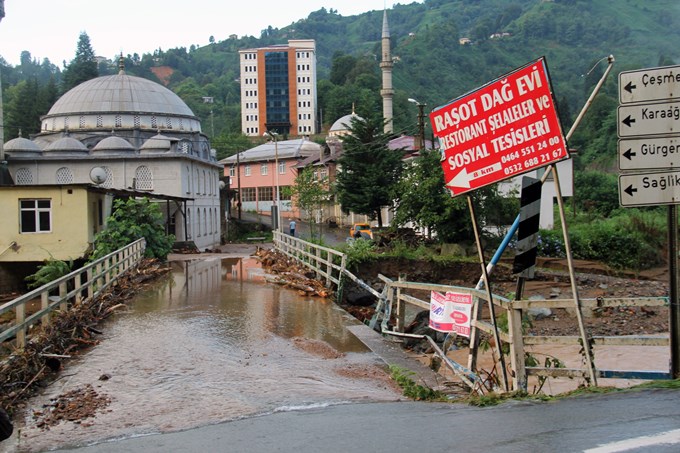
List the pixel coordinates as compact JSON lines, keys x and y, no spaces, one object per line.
{"x":212,"y":343}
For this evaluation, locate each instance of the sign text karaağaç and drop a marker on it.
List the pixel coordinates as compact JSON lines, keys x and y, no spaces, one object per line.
{"x":503,"y":129}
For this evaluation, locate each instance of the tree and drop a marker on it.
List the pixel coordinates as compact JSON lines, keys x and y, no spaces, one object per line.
{"x":422,"y":199}
{"x":133,"y":219}
{"x":369,"y":170}
{"x":309,"y":193}
{"x":83,"y":67}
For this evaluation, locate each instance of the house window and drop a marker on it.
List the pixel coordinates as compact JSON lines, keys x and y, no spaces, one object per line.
{"x":282,"y":168}
{"x":264,"y":193}
{"x":232,"y":171}
{"x":35,"y":216}
{"x":246,"y":170}
{"x":264,"y":169}
{"x":247,"y":194}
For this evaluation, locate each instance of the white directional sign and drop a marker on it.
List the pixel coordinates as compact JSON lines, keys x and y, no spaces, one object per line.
{"x":649,"y":188}
{"x":648,"y":119}
{"x":649,"y":153}
{"x":652,"y":84}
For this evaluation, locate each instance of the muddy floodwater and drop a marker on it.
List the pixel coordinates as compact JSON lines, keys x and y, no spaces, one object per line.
{"x":211,"y":343}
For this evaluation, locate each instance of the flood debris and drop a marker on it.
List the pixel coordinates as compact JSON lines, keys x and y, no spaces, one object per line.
{"x":74,"y":406}
{"x":290,"y":273}
{"x":26,"y":370}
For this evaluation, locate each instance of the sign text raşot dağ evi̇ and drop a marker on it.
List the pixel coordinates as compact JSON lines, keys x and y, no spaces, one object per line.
{"x":503,"y":129}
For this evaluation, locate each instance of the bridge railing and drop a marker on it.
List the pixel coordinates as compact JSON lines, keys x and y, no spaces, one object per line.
{"x":397,"y":294}
{"x":71,"y":289}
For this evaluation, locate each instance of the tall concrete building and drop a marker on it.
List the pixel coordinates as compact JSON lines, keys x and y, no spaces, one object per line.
{"x":386,"y":65}
{"x":278,"y":89}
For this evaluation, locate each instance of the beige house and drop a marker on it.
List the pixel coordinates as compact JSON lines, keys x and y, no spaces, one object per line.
{"x":49,"y":221}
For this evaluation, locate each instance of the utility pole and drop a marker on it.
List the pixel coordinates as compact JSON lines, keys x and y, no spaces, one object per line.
{"x":421,"y":125}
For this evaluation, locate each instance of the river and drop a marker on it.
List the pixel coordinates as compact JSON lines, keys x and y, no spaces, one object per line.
{"x":210,"y":343}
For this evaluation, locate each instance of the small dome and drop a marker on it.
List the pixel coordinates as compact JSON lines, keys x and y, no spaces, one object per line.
{"x":113,"y":143}
{"x":157,"y":143}
{"x":343,"y":124}
{"x":21,"y":145}
{"x":66,"y":144}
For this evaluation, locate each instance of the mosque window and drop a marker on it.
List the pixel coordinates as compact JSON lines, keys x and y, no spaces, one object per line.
{"x":100,"y":121}
{"x":109,"y":178}
{"x":154,"y":122}
{"x":168,"y":122}
{"x":143,"y":178}
{"x":24,"y":176}
{"x":119,"y":121}
{"x":136,"y":121}
{"x":66,"y":121}
{"x":81,"y":122}
{"x":181,"y":125}
{"x":64,"y":176}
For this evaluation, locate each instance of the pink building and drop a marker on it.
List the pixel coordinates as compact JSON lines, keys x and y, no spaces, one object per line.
{"x":254,"y":174}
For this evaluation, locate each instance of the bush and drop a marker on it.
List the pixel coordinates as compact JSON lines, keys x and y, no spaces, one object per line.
{"x":51,"y":270}
{"x":131,"y":220}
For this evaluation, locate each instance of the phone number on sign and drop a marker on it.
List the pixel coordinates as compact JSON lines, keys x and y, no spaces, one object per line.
{"x":531,"y":162}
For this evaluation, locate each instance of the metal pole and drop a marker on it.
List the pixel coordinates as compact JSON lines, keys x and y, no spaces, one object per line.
{"x":574,"y":290}
{"x":278,"y":199}
{"x":492,"y":311}
{"x":674,"y":322}
{"x":238,"y":183}
{"x":421,"y":125}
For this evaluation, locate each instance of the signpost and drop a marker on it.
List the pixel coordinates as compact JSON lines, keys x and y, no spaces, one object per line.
{"x":642,"y":153}
{"x":650,"y":113}
{"x":503,"y":129}
{"x":644,"y":189}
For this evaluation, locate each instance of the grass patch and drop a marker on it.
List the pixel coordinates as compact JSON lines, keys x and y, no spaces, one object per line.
{"x":412,"y":390}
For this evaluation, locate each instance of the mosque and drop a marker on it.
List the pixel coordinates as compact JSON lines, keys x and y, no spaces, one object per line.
{"x":126,"y":136}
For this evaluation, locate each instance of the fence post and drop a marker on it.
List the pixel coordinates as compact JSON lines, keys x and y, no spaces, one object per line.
{"x":63,"y":306}
{"x":401,"y":307}
{"x":519,"y":378}
{"x":44,"y":303}
{"x":20,"y":316}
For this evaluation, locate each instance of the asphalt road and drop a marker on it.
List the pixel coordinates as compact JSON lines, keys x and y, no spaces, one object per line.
{"x":632,"y":421}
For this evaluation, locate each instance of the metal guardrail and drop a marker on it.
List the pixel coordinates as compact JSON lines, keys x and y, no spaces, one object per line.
{"x":74,"y":288}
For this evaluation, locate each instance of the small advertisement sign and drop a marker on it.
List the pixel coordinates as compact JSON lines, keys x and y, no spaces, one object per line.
{"x":451,"y":312}
{"x":503,"y":129}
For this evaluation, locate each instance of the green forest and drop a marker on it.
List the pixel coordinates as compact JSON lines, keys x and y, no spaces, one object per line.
{"x":442,"y":49}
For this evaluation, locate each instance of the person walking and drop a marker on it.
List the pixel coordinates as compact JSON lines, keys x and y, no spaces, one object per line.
{"x":292,"y":227}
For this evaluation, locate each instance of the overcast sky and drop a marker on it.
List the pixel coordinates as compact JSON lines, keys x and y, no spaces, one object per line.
{"x":50,"y":28}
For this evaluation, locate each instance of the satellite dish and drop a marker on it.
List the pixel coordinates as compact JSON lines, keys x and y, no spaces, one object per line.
{"x":98,"y":175}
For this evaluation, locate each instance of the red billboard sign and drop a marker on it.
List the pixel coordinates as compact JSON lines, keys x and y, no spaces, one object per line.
{"x":503,"y":129}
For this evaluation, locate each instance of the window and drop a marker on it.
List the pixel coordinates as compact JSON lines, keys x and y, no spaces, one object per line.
{"x":143,"y":178}
{"x":246,"y":170}
{"x":282,"y":168}
{"x":282,"y":193}
{"x":264,"y":169}
{"x":35,"y":216}
{"x":232,"y":171}
{"x":247,"y":194}
{"x":24,"y":176}
{"x":64,"y":176}
{"x":265,"y":193}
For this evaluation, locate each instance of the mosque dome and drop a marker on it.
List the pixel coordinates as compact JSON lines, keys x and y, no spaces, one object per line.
{"x":21,"y":145}
{"x":66,"y":144}
{"x":120,"y":101}
{"x":157,"y":144}
{"x":114,"y":144}
{"x":343,"y":124}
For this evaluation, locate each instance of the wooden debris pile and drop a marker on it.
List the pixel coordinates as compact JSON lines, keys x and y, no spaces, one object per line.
{"x":288,"y":272}
{"x":23,"y":371}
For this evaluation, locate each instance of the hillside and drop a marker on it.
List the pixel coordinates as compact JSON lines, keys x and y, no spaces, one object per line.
{"x":430,"y":63}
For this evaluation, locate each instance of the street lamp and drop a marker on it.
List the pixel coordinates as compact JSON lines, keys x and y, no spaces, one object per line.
{"x":421,"y":123}
{"x":274,"y":137}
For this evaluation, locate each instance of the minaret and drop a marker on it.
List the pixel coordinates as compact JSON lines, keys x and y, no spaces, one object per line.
{"x":386,"y":64}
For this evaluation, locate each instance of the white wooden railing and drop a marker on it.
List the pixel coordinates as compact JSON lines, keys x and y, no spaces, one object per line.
{"x":80,"y":285}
